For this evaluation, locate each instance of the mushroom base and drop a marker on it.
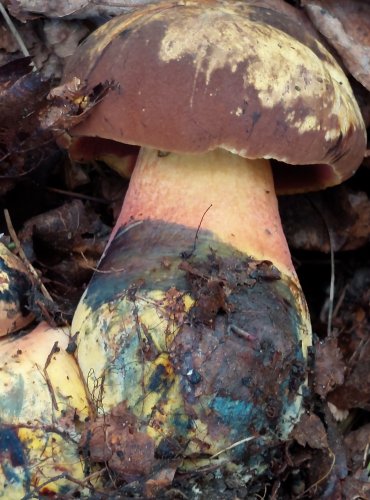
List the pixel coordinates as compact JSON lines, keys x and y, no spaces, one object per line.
{"x":188,"y":349}
{"x":43,"y":406}
{"x":15,"y":285}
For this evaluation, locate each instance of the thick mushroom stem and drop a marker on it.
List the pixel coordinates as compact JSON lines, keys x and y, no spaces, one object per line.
{"x":230,"y":196}
{"x":193,"y":333}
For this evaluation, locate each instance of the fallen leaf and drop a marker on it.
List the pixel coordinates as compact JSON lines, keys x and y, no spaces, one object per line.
{"x":346,"y":26}
{"x":81,"y":9}
{"x":355,"y":390}
{"x":356,"y":488}
{"x":310,"y":431}
{"x":356,"y":443}
{"x":22,"y":96}
{"x":69,"y":104}
{"x":308,"y":218}
{"x":71,"y":227}
{"x":329,"y":366}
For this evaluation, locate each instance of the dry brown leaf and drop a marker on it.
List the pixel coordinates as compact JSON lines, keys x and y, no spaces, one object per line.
{"x":69,"y":104}
{"x":22,"y":96}
{"x":81,"y":9}
{"x":48,"y":42}
{"x":116,"y":439}
{"x":69,"y":228}
{"x":354,"y":488}
{"x":356,"y":443}
{"x":9,"y":46}
{"x":355,"y":391}
{"x":346,"y":26}
{"x":308,"y":218}
{"x":28,"y":120}
{"x":59,"y":40}
{"x":310,"y":431}
{"x":329,"y":366}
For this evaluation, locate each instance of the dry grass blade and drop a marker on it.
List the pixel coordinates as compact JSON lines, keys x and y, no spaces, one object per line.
{"x":234,"y":445}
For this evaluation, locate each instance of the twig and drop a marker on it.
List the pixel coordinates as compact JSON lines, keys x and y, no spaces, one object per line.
{"x":84,"y":483}
{"x":15,"y":33}
{"x":240,"y":332}
{"x":340,"y":301}
{"x":54,"y":349}
{"x":22,"y":255}
{"x":187,"y":255}
{"x":78,"y":195}
{"x":322,"y":478}
{"x":332,"y":283}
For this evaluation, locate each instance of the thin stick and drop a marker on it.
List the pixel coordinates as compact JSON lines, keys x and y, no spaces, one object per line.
{"x":78,"y":195}
{"x":23,"y":257}
{"x":54,"y":350}
{"x":340,"y":301}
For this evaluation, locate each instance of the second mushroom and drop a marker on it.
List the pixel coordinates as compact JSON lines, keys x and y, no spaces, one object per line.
{"x":193,"y":333}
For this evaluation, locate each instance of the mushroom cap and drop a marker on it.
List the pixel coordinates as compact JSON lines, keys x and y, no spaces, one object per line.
{"x":194,"y":76}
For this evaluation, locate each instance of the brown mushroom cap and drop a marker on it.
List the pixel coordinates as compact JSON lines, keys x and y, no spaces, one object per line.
{"x":195,"y":76}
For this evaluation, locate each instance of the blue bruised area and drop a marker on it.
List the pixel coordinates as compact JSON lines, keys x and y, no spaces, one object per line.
{"x":12,"y":447}
{"x":234,"y":414}
{"x":159,"y":380}
{"x":19,"y":285}
{"x":156,"y":240}
{"x":10,"y":443}
{"x":11,"y":402}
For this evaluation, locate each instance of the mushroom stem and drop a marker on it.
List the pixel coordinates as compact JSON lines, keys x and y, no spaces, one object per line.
{"x":230,"y":196}
{"x":177,"y":338}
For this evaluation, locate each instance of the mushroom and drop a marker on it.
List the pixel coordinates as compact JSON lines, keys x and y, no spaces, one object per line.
{"x":43,"y":405}
{"x":195,"y":322}
{"x":15,"y":288}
